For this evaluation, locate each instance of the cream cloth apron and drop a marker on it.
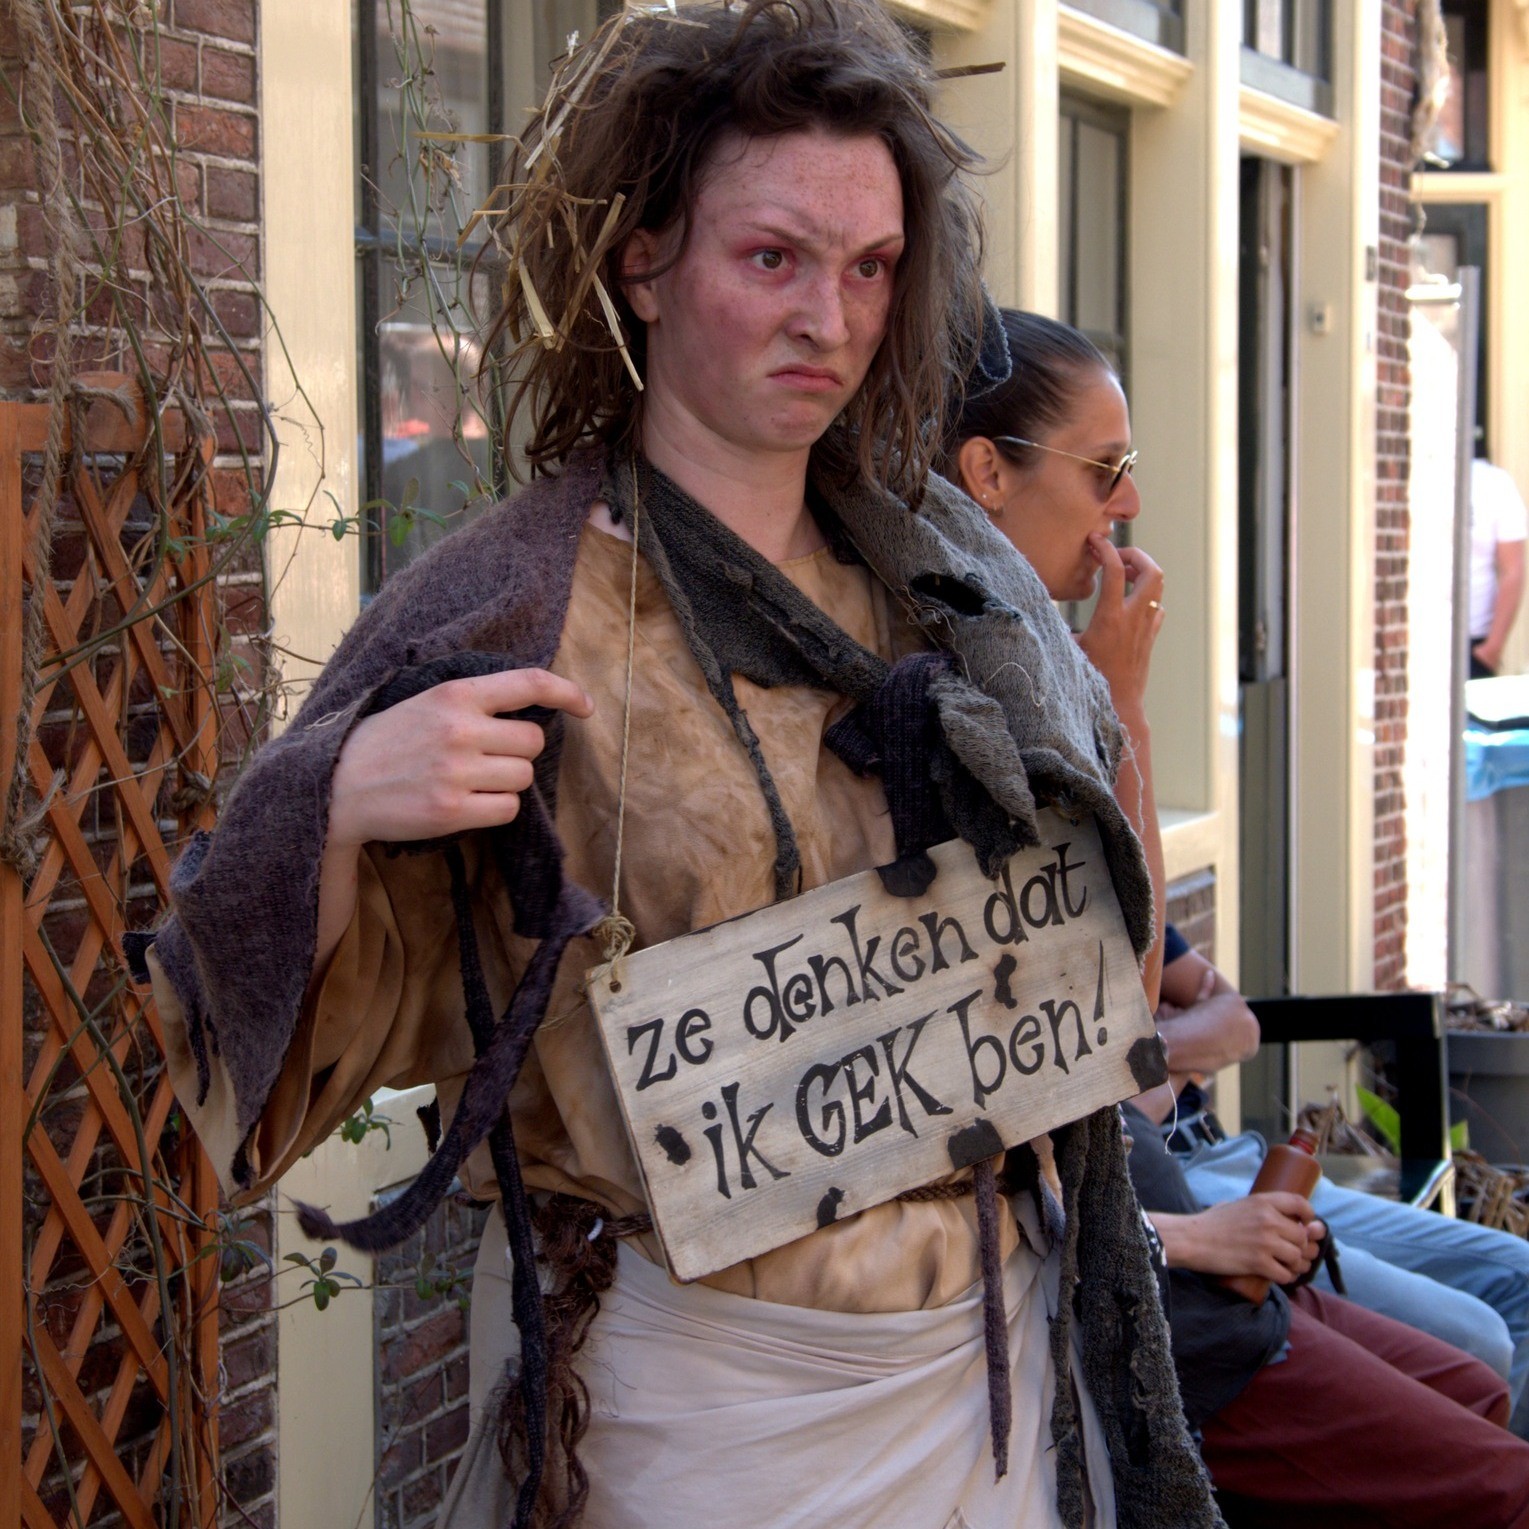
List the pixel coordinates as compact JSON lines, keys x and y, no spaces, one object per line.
{"x":710,"y":1407}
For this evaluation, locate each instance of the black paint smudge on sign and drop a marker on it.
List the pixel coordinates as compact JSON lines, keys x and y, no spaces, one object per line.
{"x":828,"y":1207}
{"x":676,"y":1148}
{"x":1002,"y":992}
{"x":1148,"y":1062}
{"x":975,"y":1144}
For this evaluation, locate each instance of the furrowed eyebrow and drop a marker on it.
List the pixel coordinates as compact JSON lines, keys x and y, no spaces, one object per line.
{"x":885,"y":244}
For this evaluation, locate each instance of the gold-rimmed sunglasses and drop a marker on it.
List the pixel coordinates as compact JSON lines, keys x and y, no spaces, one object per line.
{"x":1116,"y":470}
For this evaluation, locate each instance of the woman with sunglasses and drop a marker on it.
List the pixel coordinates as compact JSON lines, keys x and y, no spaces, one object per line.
{"x":1048,"y":455}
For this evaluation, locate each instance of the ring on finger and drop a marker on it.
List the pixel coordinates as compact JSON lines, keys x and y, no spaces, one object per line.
{"x":1154,"y":605}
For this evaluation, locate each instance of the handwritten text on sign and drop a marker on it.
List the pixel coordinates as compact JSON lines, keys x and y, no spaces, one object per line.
{"x":822,"y":1055}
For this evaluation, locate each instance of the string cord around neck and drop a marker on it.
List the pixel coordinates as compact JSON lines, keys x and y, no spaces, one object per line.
{"x":615,"y":931}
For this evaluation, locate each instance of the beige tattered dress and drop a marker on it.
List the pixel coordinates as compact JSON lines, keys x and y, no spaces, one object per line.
{"x":838,"y":1380}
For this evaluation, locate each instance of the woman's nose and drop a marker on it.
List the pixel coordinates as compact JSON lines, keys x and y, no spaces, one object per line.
{"x":821,"y":317}
{"x":1125,"y":502}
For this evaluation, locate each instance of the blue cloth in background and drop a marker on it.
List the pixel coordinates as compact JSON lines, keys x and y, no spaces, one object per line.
{"x":1495,"y":761}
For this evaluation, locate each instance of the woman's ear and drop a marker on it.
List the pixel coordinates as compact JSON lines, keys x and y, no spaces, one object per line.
{"x":639,"y":257}
{"x":978,"y":463}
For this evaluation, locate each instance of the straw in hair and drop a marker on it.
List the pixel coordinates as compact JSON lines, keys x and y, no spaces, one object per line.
{"x":623,"y":141}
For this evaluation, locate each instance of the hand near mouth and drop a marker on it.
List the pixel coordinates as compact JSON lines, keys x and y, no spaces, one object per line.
{"x":1119,"y":638}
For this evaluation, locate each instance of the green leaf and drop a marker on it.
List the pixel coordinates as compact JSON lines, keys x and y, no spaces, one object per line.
{"x":337,"y":530}
{"x":321,"y":1294}
{"x":1383,"y":1117}
{"x":1460,"y":1136}
{"x":328,"y":1259}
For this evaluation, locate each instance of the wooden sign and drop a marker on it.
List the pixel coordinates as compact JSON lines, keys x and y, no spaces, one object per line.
{"x":822,"y":1055}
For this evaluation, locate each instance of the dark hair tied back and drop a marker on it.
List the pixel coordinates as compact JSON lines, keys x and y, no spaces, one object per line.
{"x":1050,"y":360}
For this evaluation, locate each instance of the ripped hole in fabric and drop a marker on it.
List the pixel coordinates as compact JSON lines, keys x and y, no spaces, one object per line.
{"x":959,"y":595}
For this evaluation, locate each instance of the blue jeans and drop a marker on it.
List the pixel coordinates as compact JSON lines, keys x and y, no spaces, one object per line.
{"x":1466,"y":1284}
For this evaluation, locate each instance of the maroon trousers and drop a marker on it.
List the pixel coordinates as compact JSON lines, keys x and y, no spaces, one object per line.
{"x":1368,"y":1422}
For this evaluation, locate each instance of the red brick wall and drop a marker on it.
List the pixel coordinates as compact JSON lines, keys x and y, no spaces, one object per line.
{"x":1392,"y":517}
{"x":1192,"y":910}
{"x":421,"y":1362}
{"x":209,"y":74}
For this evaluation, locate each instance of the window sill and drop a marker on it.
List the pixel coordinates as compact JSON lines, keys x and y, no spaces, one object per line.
{"x":1191,"y":840}
{"x":951,"y":15}
{"x":1281,"y":130}
{"x":1458,"y":185}
{"x":1103,"y":60}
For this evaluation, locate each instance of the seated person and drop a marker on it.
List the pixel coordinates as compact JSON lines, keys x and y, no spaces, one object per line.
{"x":1466,"y":1284}
{"x":1311,"y":1409}
{"x":1048,"y":456}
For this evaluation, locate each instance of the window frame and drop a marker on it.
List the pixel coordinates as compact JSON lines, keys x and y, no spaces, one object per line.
{"x":373,"y":244}
{"x":1074,"y":109}
{"x":1306,"y":26}
{"x":1476,"y":92}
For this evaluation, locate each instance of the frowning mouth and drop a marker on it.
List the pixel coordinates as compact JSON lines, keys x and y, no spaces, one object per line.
{"x":808,"y":379}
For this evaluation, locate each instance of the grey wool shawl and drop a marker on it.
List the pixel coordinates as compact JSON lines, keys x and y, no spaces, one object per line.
{"x":1034,"y":725}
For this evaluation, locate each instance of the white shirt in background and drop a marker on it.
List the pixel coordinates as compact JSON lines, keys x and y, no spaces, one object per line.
{"x":1497,"y":515}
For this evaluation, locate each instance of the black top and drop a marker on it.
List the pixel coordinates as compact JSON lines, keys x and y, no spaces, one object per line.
{"x":1220,"y":1341}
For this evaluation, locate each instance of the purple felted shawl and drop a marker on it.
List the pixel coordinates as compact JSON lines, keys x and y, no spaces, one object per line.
{"x":238,"y":946}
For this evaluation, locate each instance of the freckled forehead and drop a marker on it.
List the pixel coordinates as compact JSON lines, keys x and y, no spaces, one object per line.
{"x":836,"y":189}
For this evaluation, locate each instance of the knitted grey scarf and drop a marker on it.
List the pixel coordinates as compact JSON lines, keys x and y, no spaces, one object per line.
{"x":740,"y":614}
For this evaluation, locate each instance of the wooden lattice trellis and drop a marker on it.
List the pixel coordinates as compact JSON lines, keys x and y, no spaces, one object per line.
{"x":108,"y":1266}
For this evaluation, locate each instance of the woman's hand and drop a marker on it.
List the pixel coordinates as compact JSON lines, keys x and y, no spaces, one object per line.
{"x":440,"y":763}
{"x":1118,"y":640}
{"x":444,"y":762}
{"x":1275,"y":1236}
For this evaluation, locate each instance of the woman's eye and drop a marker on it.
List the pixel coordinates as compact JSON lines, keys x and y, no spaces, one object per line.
{"x":770,"y":260}
{"x":871,"y":267}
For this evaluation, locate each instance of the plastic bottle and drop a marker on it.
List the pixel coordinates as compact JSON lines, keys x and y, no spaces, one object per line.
{"x":1290,"y":1166}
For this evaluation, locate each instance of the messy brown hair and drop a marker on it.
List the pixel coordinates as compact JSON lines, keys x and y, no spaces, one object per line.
{"x":623,"y":142}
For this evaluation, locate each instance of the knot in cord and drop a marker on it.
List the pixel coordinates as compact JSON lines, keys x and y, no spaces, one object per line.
{"x":615,"y":933}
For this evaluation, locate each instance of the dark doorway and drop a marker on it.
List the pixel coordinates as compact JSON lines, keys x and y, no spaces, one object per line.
{"x":1263,"y":603}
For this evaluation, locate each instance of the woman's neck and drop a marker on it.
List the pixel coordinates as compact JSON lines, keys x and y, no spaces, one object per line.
{"x":759,"y":497}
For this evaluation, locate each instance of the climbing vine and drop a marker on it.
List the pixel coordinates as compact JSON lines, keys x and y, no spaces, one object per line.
{"x":132,"y":321}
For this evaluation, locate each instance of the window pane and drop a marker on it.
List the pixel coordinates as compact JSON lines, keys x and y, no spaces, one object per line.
{"x":1268,"y":28}
{"x":1158,"y":21}
{"x":1098,"y":230}
{"x":450,"y":36}
{"x":436,"y":447}
{"x":479,"y":67}
{"x":1294,"y":32}
{"x":1440,"y":254}
{"x":1311,"y":24}
{"x":1459,"y":139}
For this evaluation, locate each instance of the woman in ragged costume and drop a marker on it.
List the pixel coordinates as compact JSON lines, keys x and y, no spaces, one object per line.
{"x":621,"y":683}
